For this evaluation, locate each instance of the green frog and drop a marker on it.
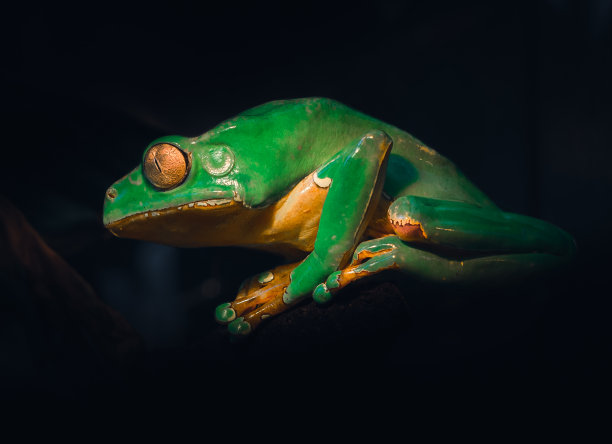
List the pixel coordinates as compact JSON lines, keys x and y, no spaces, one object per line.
{"x":340,"y":194}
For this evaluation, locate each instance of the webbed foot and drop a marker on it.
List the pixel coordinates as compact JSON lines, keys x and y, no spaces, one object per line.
{"x":369,"y":258}
{"x":259,"y":297}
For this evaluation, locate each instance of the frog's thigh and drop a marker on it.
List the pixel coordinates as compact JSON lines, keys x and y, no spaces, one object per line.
{"x":254,"y":292}
{"x":463,"y":226}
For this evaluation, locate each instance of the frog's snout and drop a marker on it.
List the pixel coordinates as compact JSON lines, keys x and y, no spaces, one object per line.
{"x":111,"y":194}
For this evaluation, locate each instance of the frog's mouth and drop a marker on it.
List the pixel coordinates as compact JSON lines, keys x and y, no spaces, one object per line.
{"x":191,"y":224}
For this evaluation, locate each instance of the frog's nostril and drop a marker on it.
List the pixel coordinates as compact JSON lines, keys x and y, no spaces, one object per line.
{"x":111,"y":193}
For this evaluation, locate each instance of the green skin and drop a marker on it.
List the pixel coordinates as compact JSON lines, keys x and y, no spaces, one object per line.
{"x":277,"y":144}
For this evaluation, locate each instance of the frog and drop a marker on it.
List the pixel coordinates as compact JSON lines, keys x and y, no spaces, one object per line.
{"x":341,"y":196}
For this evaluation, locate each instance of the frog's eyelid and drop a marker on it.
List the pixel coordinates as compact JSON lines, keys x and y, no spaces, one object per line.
{"x":227,"y":156}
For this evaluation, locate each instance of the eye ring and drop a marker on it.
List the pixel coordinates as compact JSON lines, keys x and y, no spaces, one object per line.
{"x":218,"y":160}
{"x":166,"y":166}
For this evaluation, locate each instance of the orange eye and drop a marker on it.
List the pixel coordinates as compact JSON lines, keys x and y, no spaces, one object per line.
{"x":165,"y":166}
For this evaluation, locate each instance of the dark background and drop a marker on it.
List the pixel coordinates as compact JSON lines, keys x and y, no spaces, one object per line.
{"x":517,"y":94}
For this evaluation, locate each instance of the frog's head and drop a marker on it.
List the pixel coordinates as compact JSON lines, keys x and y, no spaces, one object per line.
{"x":192,"y":188}
{"x":167,"y":193}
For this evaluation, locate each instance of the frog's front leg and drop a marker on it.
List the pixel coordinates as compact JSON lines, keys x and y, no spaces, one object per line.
{"x":355,"y":177}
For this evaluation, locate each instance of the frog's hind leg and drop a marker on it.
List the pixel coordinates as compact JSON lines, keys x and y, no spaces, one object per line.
{"x":455,"y":242}
{"x":471,"y":229}
{"x":389,"y":253}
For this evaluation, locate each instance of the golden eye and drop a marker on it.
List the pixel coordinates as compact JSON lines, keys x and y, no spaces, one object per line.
{"x":165,"y":166}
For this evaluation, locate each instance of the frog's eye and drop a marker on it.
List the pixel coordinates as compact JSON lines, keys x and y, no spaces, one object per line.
{"x":165,"y":166}
{"x":219,"y":160}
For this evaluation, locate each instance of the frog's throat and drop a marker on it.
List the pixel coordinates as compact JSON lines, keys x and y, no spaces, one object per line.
{"x":119,"y":227}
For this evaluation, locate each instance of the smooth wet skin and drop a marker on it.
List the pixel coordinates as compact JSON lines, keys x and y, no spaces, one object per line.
{"x":339,"y":193}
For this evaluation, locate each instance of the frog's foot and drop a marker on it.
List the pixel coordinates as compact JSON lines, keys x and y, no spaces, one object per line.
{"x":255,"y":292}
{"x":369,"y":258}
{"x":244,"y":325}
{"x":391,"y":252}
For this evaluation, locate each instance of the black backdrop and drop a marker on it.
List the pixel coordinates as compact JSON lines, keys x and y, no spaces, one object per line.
{"x":517,"y":94}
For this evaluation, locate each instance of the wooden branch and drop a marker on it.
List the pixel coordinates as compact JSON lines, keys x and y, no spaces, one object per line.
{"x":63,"y":297}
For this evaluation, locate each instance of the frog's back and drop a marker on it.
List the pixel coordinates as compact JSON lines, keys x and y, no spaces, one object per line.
{"x":414,"y":168}
{"x":418,"y":170}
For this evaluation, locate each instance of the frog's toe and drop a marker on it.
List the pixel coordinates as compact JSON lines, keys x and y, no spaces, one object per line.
{"x":374,"y":247}
{"x":324,"y":292}
{"x":224,"y":313}
{"x":333,"y":281}
{"x":370,"y":258}
{"x":239,"y":327}
{"x":321,"y":294}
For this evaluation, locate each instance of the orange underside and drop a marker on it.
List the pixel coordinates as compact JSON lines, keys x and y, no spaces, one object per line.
{"x":288,"y":227}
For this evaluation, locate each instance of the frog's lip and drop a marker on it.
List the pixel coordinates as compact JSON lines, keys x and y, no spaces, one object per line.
{"x":208,"y":205}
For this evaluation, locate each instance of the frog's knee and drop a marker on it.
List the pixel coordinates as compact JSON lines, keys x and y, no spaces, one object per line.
{"x":375,"y":140}
{"x":404,"y":221}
